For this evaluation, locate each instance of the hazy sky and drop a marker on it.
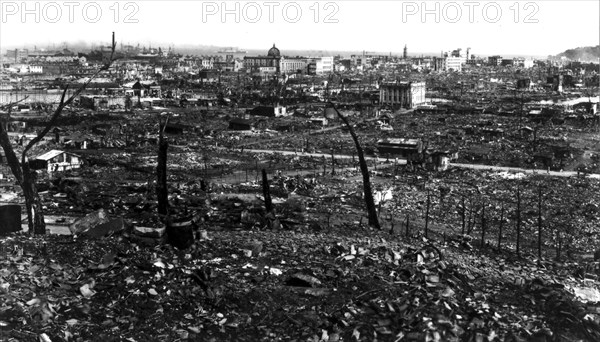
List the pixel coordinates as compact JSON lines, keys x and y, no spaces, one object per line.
{"x":487,"y":27}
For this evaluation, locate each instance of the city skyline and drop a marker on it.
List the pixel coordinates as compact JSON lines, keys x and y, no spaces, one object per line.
{"x":538,"y":28}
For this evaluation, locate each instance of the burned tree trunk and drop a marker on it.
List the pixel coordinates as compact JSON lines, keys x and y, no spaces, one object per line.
{"x":26,"y":180}
{"x":162,"y":192}
{"x":33,"y":203}
{"x":364,"y":169}
{"x":483,"y":227}
{"x":266,"y":191}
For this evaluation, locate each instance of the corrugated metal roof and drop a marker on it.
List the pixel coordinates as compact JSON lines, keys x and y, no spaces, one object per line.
{"x":49,"y":155}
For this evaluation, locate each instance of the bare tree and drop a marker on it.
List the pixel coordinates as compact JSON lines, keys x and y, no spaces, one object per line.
{"x":364,"y":169}
{"x":20,"y":168}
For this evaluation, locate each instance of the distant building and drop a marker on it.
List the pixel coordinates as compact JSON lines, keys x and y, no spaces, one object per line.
{"x":454,"y":63}
{"x":142,"y":89}
{"x":275,"y":63}
{"x":495,"y":60}
{"x":403,"y":94}
{"x":517,"y":62}
{"x":345,"y":63}
{"x":271,"y":60}
{"x":233,"y":65}
{"x":293,"y":65}
{"x":17,"y":55}
{"x":449,"y":63}
{"x":523,"y":63}
{"x":323,"y":65}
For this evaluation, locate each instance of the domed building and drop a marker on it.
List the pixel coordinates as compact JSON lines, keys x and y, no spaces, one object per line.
{"x":271,"y":63}
{"x":275,"y":64}
{"x":274,"y":52}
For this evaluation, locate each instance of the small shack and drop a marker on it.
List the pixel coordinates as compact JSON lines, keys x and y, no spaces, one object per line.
{"x":56,"y":160}
{"x":403,"y":148}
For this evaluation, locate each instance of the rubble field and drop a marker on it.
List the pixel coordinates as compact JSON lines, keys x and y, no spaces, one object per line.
{"x":346,"y":283}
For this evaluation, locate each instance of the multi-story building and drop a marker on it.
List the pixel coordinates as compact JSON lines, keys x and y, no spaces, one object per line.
{"x":454,"y":63}
{"x":17,"y":55}
{"x":402,"y":94}
{"x":324,"y":65}
{"x":449,"y":63}
{"x":320,"y":65}
{"x":292,"y":65}
{"x":518,"y":62}
{"x":523,"y":63}
{"x":495,"y":60}
{"x":288,"y":65}
{"x":271,"y":60}
{"x":207,"y":63}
